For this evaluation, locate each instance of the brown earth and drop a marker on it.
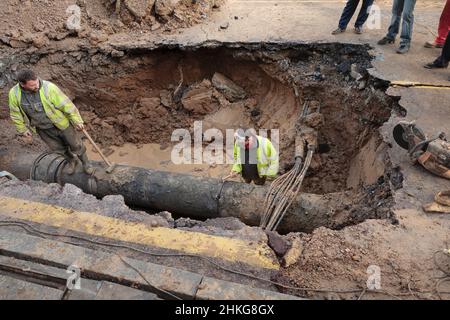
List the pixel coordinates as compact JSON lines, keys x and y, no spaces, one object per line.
{"x":37,"y":23}
{"x":330,"y":260}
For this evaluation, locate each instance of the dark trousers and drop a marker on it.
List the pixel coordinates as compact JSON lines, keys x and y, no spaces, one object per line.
{"x":350,"y":9}
{"x":66,"y":142}
{"x":444,"y":58}
{"x":446,"y":49}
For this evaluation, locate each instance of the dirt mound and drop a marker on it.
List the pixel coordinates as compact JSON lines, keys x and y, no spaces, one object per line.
{"x":37,"y":23}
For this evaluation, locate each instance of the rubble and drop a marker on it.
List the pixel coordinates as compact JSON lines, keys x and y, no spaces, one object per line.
{"x":199,"y":98}
{"x":228,"y":88}
{"x":139,"y":8}
{"x":164,"y":8}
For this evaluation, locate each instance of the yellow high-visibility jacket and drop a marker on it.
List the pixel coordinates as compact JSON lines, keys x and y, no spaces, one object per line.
{"x":57,"y":106}
{"x":266,"y":157}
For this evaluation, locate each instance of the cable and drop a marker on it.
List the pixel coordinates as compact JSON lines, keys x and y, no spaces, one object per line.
{"x":25,"y":225}
{"x":443,"y":270}
{"x":39,"y":232}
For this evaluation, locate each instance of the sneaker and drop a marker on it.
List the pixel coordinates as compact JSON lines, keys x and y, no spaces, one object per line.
{"x":386,"y":40}
{"x":404,"y":48}
{"x":337,"y":31}
{"x":358,"y":30}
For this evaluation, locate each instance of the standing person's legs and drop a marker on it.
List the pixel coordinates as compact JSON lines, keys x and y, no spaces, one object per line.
{"x":364,"y":13}
{"x":444,"y":24}
{"x":347,"y":13}
{"x":445,"y":55}
{"x":73,"y":141}
{"x":53,"y":140}
{"x":57,"y":144}
{"x":408,"y":22}
{"x":394,"y":27}
{"x":443,"y":60}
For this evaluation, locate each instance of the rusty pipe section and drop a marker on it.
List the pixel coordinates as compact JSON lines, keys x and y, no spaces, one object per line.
{"x":180,"y":194}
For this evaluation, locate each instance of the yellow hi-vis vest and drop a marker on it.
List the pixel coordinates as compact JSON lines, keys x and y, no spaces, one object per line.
{"x":266,"y":157}
{"x":57,"y":106}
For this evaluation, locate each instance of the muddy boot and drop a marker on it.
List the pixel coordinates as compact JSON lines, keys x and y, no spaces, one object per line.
{"x":88,"y":169}
{"x":71,"y":166}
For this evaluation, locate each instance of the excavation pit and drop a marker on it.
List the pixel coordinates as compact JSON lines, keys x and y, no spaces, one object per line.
{"x":132,"y":104}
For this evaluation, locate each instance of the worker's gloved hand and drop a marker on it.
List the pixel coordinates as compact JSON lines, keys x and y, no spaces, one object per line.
{"x":27,"y":137}
{"x":79,"y":126}
{"x":231,"y":175}
{"x":27,"y":134}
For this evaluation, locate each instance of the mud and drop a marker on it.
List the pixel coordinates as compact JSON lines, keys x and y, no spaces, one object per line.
{"x":131,"y":99}
{"x":132,"y":104}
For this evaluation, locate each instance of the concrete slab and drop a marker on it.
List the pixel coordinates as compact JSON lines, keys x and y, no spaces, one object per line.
{"x":164,"y":281}
{"x":230,"y":249}
{"x":101,"y":265}
{"x":214,"y":289}
{"x":15,"y":289}
{"x":114,"y":291}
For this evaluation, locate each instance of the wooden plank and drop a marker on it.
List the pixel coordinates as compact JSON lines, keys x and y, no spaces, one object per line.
{"x":15,"y":289}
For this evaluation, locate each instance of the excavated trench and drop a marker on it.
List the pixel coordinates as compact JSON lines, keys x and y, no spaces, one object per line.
{"x":134,"y":100}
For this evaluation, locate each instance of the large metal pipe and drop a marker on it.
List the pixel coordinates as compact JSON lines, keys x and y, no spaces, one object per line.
{"x":180,"y":194}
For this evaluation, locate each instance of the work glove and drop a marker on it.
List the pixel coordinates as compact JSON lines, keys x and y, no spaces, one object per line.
{"x":79,"y":126}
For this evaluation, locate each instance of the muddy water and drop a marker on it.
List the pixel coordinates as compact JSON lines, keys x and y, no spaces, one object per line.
{"x":151,"y":156}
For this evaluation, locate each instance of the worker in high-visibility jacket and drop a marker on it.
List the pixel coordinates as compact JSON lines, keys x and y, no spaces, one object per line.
{"x":39,"y":106}
{"x":255,"y":157}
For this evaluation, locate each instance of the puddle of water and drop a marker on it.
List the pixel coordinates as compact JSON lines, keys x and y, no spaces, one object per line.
{"x":151,"y":156}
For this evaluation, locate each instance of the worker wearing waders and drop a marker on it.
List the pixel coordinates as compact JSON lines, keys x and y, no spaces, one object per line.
{"x":39,"y":106}
{"x":255,"y":158}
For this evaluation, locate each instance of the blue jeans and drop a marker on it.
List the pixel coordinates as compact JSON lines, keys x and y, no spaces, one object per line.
{"x":402,"y":9}
{"x":350,"y":9}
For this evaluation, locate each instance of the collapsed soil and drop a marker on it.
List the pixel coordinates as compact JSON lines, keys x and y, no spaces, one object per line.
{"x":38,"y":23}
{"x":131,"y":99}
{"x":143,"y":97}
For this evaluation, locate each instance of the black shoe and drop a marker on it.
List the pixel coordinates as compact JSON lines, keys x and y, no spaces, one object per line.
{"x":386,"y":40}
{"x":436,"y":65}
{"x":404,"y":48}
